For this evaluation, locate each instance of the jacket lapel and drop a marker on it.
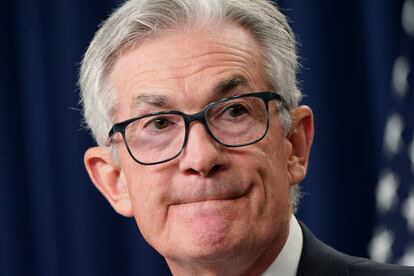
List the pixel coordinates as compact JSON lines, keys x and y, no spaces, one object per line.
{"x":318,"y":259}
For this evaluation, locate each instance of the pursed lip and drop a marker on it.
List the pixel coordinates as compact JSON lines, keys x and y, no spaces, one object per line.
{"x":199,"y":197}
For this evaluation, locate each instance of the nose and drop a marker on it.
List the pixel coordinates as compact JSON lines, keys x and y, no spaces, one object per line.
{"x":201,"y":155}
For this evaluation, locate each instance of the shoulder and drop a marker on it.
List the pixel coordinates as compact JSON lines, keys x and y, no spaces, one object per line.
{"x":366,"y":267}
{"x":319,"y":259}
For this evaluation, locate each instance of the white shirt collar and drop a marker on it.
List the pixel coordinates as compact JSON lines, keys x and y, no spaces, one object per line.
{"x":287,"y":262}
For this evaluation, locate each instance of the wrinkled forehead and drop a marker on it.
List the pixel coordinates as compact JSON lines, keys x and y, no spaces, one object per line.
{"x":187,"y":44}
{"x":220,"y":32}
{"x":178,"y":64}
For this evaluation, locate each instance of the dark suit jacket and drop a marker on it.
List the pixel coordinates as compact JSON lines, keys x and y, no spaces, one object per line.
{"x":318,"y":259}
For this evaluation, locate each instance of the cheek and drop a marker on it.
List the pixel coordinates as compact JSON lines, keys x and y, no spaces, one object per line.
{"x":147,"y":192}
{"x":271,"y":161}
{"x":272,"y":155}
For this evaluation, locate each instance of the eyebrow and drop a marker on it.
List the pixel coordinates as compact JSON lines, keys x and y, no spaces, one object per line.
{"x":230,"y":84}
{"x":154,"y":100}
{"x":222,"y":89}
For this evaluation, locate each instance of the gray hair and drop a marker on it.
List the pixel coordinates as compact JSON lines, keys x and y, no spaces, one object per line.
{"x":137,"y":20}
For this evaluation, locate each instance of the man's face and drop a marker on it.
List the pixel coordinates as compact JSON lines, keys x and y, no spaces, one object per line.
{"x":211,"y":202}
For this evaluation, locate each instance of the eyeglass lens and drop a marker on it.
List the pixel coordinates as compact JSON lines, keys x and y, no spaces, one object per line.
{"x":233,"y":122}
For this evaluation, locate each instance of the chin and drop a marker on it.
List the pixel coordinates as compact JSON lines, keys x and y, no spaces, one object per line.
{"x":212,"y":242}
{"x":210,"y":231}
{"x":209,"y":250}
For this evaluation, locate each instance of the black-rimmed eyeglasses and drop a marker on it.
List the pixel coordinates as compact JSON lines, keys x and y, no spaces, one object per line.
{"x":235,"y":121}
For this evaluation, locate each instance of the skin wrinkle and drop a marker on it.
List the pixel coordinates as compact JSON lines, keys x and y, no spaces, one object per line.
{"x":198,"y":71}
{"x":213,"y":189}
{"x":178,"y":78}
{"x":132,"y":112}
{"x":231,"y":62}
{"x":183,"y":50}
{"x":223,"y":89}
{"x":182,"y":68}
{"x":242,"y":56}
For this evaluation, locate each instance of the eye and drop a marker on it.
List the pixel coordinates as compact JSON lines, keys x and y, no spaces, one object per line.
{"x":236,"y":110}
{"x":160,"y":123}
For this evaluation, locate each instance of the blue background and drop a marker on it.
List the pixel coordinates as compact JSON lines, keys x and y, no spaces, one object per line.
{"x":54,"y":222}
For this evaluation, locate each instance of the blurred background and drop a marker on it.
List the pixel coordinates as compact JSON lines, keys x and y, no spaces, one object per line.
{"x":359,"y":192}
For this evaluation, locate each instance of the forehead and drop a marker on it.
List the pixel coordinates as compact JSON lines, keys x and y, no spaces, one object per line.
{"x":181,"y":64}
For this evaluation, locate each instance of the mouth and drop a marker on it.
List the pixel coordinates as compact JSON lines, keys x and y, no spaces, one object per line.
{"x":199,"y":198}
{"x":212,"y":200}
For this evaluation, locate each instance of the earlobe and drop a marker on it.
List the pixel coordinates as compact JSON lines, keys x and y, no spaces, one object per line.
{"x":108,"y":179}
{"x":300,"y":138}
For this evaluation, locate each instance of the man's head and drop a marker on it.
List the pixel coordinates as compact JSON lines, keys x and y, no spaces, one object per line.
{"x":212,"y":202}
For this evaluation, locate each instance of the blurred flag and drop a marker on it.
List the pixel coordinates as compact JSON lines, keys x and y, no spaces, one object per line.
{"x":393,"y":239}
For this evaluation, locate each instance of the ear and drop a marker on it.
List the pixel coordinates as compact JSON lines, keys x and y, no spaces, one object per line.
{"x":108,"y":179}
{"x":300,"y":138}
